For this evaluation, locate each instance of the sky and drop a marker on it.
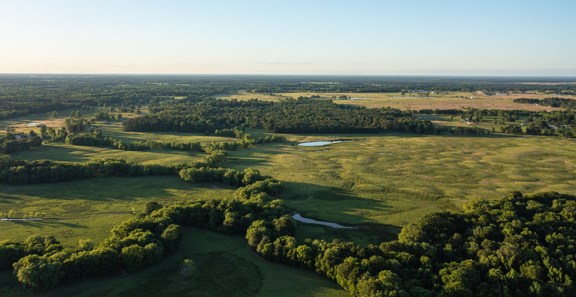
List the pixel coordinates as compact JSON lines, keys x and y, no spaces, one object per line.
{"x":361,"y":37}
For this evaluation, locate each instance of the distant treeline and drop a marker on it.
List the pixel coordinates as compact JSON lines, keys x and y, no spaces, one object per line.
{"x":561,"y":123}
{"x":21,"y":95}
{"x":552,"y":102}
{"x":290,"y":116}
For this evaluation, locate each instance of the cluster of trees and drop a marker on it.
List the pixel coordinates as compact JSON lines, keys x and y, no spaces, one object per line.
{"x":12,"y":143}
{"x":516,"y":246}
{"x":77,"y":124}
{"x":106,"y":116}
{"x":552,"y":102}
{"x":135,"y":243}
{"x":290,"y":116}
{"x":226,"y":175}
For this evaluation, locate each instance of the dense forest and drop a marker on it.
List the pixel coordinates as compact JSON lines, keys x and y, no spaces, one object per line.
{"x":303,"y":115}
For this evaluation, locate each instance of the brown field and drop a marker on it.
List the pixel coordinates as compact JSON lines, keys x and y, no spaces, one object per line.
{"x":452,"y":100}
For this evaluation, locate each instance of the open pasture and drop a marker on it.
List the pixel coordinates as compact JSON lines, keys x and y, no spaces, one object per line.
{"x":391,"y":180}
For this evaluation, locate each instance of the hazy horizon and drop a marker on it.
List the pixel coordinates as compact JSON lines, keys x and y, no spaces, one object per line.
{"x":364,"y":38}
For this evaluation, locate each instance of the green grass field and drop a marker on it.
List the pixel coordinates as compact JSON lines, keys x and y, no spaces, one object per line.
{"x":72,"y":153}
{"x":396,"y":179}
{"x":90,"y":208}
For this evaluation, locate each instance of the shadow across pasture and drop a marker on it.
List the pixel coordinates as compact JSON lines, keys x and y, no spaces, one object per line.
{"x":99,"y":189}
{"x":339,"y":206}
{"x":45,"y":223}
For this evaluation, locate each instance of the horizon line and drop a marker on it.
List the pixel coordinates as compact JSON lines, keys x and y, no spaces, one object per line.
{"x":294,"y":74}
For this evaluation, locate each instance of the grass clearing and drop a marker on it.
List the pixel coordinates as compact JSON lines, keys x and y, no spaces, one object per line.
{"x":73,"y":153}
{"x":90,"y":208}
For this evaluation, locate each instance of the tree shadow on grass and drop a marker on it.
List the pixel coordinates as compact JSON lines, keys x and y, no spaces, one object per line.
{"x":101,"y":189}
{"x":339,"y":206}
{"x":47,"y":222}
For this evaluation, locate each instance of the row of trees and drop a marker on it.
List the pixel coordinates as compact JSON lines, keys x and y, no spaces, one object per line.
{"x":30,"y":172}
{"x":97,"y":138}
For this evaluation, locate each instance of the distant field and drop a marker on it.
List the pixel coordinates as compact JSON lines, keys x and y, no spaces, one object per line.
{"x":21,"y":124}
{"x":242,"y":96}
{"x":451,"y":100}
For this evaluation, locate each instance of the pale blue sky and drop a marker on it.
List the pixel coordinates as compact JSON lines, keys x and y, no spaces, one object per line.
{"x":486,"y":37}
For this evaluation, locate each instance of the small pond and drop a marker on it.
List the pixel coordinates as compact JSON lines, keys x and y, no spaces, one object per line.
{"x":302,"y":219}
{"x":319,"y":143}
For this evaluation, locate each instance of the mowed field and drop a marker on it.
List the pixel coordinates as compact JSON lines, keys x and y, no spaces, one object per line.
{"x":449,"y":100}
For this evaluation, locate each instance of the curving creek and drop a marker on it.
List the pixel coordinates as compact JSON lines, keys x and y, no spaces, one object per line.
{"x":302,"y":219}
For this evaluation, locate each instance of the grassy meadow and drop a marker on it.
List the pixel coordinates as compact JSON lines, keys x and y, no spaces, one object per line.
{"x":88,"y":209}
{"x":390,"y":180}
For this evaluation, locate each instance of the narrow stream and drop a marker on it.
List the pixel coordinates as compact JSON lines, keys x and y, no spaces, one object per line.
{"x":302,"y":219}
